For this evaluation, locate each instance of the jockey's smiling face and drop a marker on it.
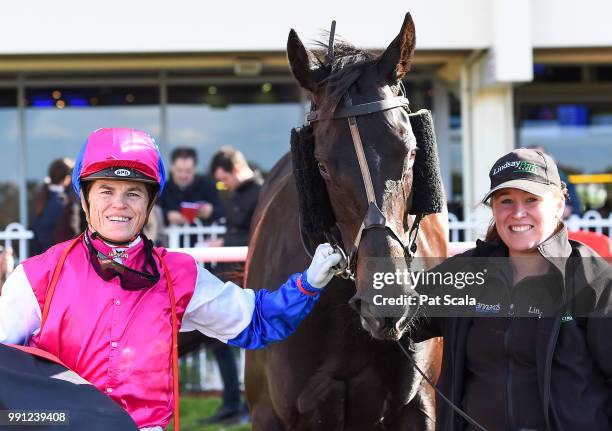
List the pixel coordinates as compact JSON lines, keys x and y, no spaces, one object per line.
{"x":117,"y":209}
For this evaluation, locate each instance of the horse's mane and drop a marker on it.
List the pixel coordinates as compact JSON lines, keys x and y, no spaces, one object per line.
{"x":346,"y":67}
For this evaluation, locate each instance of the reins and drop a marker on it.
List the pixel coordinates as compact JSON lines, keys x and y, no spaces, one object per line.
{"x":461,"y":413}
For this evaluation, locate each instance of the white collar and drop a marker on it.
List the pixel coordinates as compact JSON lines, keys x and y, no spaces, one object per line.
{"x":123,"y":247}
{"x":118,"y":247}
{"x":57,"y":188}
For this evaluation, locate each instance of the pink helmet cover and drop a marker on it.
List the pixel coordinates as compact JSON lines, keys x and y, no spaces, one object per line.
{"x":120,"y":148}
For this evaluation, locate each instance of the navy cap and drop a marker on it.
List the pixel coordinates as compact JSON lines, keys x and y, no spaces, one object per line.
{"x":524,"y":169}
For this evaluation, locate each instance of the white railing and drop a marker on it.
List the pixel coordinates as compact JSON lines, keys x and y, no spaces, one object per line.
{"x":471,"y":228}
{"x":590,"y":220}
{"x":16,"y":232}
{"x":201,"y":232}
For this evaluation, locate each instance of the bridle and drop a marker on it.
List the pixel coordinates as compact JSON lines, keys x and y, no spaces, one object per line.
{"x":373,"y":218}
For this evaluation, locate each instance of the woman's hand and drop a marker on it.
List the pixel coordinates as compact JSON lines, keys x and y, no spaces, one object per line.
{"x":320,"y":271}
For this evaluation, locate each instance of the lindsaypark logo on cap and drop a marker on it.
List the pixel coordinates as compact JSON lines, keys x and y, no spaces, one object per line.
{"x":528,"y":170}
{"x":521,"y":166}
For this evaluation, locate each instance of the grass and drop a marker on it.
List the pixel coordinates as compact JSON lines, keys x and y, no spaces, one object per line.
{"x":196,"y":408}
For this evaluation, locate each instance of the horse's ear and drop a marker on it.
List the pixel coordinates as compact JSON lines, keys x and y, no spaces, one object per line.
{"x":301,"y":62}
{"x":395,"y":62}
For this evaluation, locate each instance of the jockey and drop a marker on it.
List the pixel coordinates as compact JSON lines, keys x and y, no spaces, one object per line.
{"x":109,"y":304}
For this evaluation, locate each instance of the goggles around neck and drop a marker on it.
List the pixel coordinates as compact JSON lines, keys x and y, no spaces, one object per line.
{"x":131,"y":279}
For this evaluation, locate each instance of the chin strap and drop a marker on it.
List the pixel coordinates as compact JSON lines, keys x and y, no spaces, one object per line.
{"x":96,"y":234}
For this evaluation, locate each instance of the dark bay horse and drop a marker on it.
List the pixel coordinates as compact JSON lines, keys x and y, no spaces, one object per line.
{"x":341,"y":369}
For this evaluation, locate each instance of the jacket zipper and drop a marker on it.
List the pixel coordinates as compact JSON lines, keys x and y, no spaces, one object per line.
{"x":548,"y":370}
{"x":509,"y":406}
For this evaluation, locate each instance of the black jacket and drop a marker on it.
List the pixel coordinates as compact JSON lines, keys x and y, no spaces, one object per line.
{"x":202,"y":189}
{"x":573,"y":348}
{"x":45,"y":223}
{"x":239,"y":209}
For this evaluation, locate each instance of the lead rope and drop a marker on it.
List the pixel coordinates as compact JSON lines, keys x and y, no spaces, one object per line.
{"x":463,"y":414}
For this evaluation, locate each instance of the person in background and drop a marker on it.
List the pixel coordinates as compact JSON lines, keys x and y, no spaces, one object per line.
{"x":49,"y":205}
{"x":185,"y":187}
{"x":230,"y":167}
{"x":6,"y":264}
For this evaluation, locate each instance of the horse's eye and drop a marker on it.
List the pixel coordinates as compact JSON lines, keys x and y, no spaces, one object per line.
{"x":322,"y":169}
{"x":413,"y":154}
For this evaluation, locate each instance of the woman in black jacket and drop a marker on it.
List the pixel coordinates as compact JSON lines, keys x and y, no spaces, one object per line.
{"x":532,"y":348}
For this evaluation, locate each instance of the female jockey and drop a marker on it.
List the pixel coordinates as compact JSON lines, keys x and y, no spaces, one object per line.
{"x":108,"y":304}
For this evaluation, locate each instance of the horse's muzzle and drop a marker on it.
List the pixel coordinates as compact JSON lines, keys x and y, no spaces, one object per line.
{"x":376,"y":323}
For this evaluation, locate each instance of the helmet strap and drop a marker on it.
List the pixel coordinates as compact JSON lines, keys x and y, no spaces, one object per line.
{"x":96,"y":234}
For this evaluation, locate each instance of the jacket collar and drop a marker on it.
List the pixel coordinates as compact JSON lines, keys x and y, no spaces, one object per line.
{"x":255,"y":179}
{"x":127,"y":253}
{"x":556,"y":249}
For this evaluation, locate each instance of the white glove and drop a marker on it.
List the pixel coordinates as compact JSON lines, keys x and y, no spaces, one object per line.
{"x":320,"y":272}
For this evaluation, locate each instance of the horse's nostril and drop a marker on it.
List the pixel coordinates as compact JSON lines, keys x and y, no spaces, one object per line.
{"x":355,"y":304}
{"x":400,"y":322}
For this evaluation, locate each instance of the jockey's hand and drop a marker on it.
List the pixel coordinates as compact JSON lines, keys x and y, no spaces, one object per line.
{"x":320,"y":271}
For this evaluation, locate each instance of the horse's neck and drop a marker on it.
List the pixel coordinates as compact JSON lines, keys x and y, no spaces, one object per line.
{"x":432,"y":240}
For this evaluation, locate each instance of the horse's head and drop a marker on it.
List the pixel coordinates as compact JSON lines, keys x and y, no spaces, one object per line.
{"x":358,"y":113}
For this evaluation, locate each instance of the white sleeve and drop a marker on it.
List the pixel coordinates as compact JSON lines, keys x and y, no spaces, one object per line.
{"x":219,"y":310}
{"x":20,"y":314}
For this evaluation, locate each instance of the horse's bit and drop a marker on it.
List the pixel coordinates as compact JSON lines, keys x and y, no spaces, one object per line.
{"x":373,"y":217}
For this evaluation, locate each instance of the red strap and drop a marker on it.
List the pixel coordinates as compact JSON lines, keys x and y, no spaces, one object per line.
{"x":304,"y":291}
{"x":56,"y":274}
{"x":40,"y":353}
{"x":51,"y":289}
{"x":175,"y":371}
